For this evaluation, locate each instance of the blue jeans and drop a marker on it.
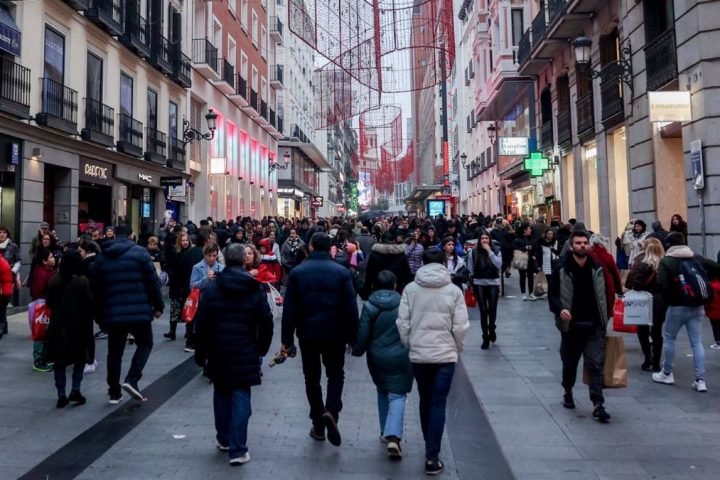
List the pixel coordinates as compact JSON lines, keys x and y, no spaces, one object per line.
{"x":232,"y":413}
{"x":391,"y":411}
{"x":433,"y":381}
{"x":691,"y":318}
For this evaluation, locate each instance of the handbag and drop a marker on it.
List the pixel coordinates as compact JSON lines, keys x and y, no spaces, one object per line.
{"x":191,"y":305}
{"x":619,"y":318}
{"x":638,"y":308}
{"x":615,"y":370}
{"x":470,"y":300}
{"x":520,"y":260}
{"x":712,"y":308}
{"x":541,"y":284}
{"x":275,"y":300}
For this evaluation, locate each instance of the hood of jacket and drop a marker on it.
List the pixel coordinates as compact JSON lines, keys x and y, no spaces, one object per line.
{"x":389,"y":248}
{"x":385,"y":299}
{"x":236,"y":281}
{"x":680,"y":251}
{"x":117,"y":247}
{"x":432,"y":275}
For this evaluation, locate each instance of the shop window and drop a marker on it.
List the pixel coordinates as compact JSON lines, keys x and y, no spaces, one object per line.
{"x":244,"y":156}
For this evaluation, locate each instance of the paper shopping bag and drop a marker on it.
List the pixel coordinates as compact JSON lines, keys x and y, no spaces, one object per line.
{"x":615,"y":371}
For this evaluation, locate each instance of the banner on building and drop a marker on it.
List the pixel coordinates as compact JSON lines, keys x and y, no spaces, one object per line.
{"x":670,"y":106}
{"x":513,"y":146}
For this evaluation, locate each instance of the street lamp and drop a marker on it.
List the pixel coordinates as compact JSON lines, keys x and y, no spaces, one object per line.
{"x":463,"y":159}
{"x":276,"y":166}
{"x":622,"y":67}
{"x":191,"y":134}
{"x":491,"y":133}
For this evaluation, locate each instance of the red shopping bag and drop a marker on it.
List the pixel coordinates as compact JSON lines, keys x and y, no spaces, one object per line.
{"x":619,"y":317}
{"x":712,"y":308}
{"x":191,"y":305}
{"x":470,"y":299}
{"x":40,"y":321}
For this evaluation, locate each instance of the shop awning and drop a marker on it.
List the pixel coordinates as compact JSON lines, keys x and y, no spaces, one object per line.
{"x":512,"y":172}
{"x":9,"y":32}
{"x":507,"y":96}
{"x":423,"y":192}
{"x":311,"y":151}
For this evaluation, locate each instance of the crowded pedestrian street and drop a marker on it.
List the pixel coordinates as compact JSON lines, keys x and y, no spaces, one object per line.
{"x":505,"y":418}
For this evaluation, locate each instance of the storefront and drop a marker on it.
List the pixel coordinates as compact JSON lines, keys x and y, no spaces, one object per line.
{"x":290,"y":202}
{"x":591,"y":192}
{"x":95,"y":193}
{"x":11,"y":154}
{"x":140,"y":198}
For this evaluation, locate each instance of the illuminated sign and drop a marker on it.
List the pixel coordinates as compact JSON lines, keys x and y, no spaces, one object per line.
{"x":536,"y":164}
{"x":670,"y":106}
{"x":513,"y":146}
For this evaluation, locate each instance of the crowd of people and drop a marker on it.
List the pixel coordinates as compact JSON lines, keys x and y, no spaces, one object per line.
{"x":413,"y":274}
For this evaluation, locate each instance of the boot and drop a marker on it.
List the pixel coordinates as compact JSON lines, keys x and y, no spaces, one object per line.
{"x":171,"y":334}
{"x":486,"y":343}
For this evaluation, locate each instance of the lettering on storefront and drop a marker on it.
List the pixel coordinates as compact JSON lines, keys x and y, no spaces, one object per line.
{"x":512,"y":146}
{"x":95,"y":171}
{"x":144,"y":177}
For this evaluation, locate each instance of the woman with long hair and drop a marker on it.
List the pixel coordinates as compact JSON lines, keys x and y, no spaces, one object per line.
{"x":677,"y":224}
{"x":524,"y":260}
{"x":485,"y":264}
{"x":454,"y":263}
{"x":179,"y":281}
{"x":643,"y":277}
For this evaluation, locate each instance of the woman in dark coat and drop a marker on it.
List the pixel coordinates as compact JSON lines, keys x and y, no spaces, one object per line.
{"x":387,"y":358}
{"x":179,"y":281}
{"x":70,"y":338}
{"x":387,"y":255}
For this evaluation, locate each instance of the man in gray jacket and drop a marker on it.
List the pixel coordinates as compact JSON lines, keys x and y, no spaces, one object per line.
{"x":577,"y":298}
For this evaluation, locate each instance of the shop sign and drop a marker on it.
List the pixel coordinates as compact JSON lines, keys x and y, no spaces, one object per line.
{"x":696,"y":160}
{"x":670,"y":106}
{"x":10,"y":36}
{"x":145,"y":177}
{"x":177,"y":191}
{"x":513,"y":146}
{"x":536,"y":164}
{"x":548,"y":190}
{"x":317,"y":201}
{"x":171,"y":181}
{"x":95,"y":171}
{"x":14,"y":153}
{"x":218,"y":166}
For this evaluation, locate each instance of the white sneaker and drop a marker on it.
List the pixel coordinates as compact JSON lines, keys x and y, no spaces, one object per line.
{"x":525,"y":298}
{"x":532,"y":297}
{"x":241,"y":460}
{"x":715,"y":346}
{"x":660,"y":377}
{"x":699,"y":386}
{"x":221,"y":447}
{"x":90,"y":367}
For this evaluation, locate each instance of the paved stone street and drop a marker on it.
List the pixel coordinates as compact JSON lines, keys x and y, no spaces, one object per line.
{"x":657,"y":431}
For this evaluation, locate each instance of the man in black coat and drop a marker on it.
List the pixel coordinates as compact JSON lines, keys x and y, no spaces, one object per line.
{"x":233,"y":328}
{"x":321,"y":307}
{"x":128,"y":296}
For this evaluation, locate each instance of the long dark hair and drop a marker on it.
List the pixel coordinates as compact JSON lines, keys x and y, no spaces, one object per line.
{"x":71,"y":265}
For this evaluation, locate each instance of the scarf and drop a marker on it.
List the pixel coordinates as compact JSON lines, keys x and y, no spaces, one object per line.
{"x":294,"y":245}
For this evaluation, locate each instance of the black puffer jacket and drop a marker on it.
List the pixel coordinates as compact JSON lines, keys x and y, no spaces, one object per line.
{"x":387,"y":256}
{"x":234,"y":327}
{"x":126,"y":286}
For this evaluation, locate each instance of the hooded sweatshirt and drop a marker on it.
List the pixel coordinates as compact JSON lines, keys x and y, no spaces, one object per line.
{"x":433,"y":318}
{"x":670,"y":266}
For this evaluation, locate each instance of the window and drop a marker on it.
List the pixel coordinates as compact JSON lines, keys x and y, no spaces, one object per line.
{"x":244,"y":156}
{"x":152,"y":103}
{"x":217,"y":36}
{"x":254,"y":31}
{"x":243,"y":65}
{"x":54,"y":55}
{"x":263,"y":42}
{"x":232,"y":6}
{"x":254,"y":83}
{"x":231,"y":51}
{"x":244,"y":14}
{"x":517,"y":25}
{"x":173,"y":119}
{"x":263,"y":88}
{"x":126,"y":94}
{"x":94,"y":78}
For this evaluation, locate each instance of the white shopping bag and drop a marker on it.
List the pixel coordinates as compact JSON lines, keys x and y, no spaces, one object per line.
{"x":275,"y":300}
{"x":638,"y":308}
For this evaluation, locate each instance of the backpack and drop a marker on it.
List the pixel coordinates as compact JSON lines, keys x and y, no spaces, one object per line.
{"x":691,"y":286}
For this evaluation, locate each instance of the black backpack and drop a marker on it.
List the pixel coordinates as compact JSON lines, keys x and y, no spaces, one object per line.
{"x":691,"y":286}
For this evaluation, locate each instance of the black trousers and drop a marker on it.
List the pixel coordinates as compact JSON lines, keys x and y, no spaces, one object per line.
{"x":4,"y":301}
{"x":314,"y":355}
{"x":716,"y":330}
{"x":529,"y":276}
{"x":487,"y":297}
{"x":588,"y":343}
{"x":117,"y":337}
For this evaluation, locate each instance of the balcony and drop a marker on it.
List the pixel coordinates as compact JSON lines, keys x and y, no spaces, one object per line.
{"x":155,"y":146}
{"x":611,"y":92}
{"x":661,"y":61}
{"x":297,"y":134}
{"x":59,"y":107}
{"x":524,"y":47}
{"x":280,"y":126}
{"x":107,"y":14}
{"x":539,"y":25}
{"x":226,"y":83}
{"x":14,"y":88}
{"x":254,"y":101}
{"x":78,"y":5}
{"x":276,"y":30}
{"x":160,"y":54}
{"x":546,"y":136}
{"x":131,"y":135}
{"x":240,"y":96}
{"x":276,"y":77}
{"x":182,"y":69}
{"x":585,"y":117}
{"x":263,"y":119}
{"x":99,"y":123}
{"x":564,"y":126}
{"x":176,"y":157}
{"x":137,"y":33}
{"x":205,"y":58}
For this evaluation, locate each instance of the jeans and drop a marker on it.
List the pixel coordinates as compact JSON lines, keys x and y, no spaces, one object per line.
{"x":526,"y":274}
{"x":332,"y":356}
{"x":391,"y":412}
{"x":60,"y":378}
{"x":588,"y":343}
{"x":232,"y":412}
{"x":691,"y":318}
{"x":117,"y":337}
{"x":487,"y":297}
{"x":433,"y":381}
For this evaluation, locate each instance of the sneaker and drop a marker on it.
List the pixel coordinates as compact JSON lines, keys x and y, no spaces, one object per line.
{"x":221,"y":447}
{"x":333,"y":434}
{"x":101,"y":335}
{"x":77,"y":398}
{"x":568,"y":401}
{"x":90,"y":367}
{"x":189,"y":349}
{"x":699,"y":386}
{"x":317,"y":434}
{"x":241,"y":460}
{"x":42,"y":367}
{"x":394,"y":449}
{"x":525,"y":297}
{"x":715,"y":346}
{"x":600,"y":414}
{"x":115,"y":398}
{"x":133,"y":391}
{"x":433,"y":467}
{"x":532,"y":297}
{"x":130,"y":339}
{"x":662,"y":377}
{"x":62,"y":402}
